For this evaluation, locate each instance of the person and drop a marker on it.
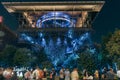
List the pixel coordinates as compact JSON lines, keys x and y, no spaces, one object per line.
{"x":45,"y":74}
{"x":27,"y":75}
{"x":8,"y":73}
{"x":103,"y":76}
{"x":1,"y":74}
{"x":21,"y":74}
{"x":90,"y":77}
{"x":52,"y":74}
{"x":67,"y":74}
{"x":118,"y":74}
{"x":74,"y":74}
{"x":110,"y":75}
{"x":61,"y":74}
{"x":85,"y":75}
{"x":96,"y":75}
{"x":14,"y":77}
{"x":37,"y":74}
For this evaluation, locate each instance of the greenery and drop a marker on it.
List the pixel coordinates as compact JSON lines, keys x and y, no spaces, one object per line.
{"x":113,"y":46}
{"x":104,"y":53}
{"x":42,"y":57}
{"x":6,"y":56}
{"x":22,"y":57}
{"x":15,"y":56}
{"x":107,"y":53}
{"x":87,"y":61}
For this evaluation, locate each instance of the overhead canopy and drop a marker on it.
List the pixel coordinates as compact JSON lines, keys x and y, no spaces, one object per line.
{"x":54,"y":6}
{"x":78,"y":10}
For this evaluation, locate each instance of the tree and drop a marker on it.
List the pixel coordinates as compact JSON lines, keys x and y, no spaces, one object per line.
{"x":106,"y":59}
{"x":113,"y":46}
{"x":7,"y":55}
{"x":87,"y":61}
{"x":42,"y":58}
{"x":22,"y":57}
{"x":47,"y":64}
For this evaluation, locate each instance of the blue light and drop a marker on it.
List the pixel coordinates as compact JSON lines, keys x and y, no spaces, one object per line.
{"x":60,"y":51}
{"x":92,"y":50}
{"x":43,"y":44}
{"x":69,"y":50}
{"x":70,"y":33}
{"x":40,"y":35}
{"x":65,"y":42}
{"x":51,"y":44}
{"x":27,"y":38}
{"x":56,"y":18}
{"x":75,"y":44}
{"x":84,"y":36}
{"x":38,"y":24}
{"x":58,"y":42}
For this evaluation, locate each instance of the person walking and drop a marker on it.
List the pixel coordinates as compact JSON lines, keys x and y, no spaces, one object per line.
{"x":85,"y":75}
{"x":96,"y":75}
{"x":1,"y":74}
{"x":62,"y":74}
{"x":27,"y":75}
{"x":37,"y":74}
{"x":67,"y":74}
{"x":8,"y":73}
{"x":74,"y":74}
{"x":52,"y":74}
{"x":110,"y":75}
{"x":118,"y":74}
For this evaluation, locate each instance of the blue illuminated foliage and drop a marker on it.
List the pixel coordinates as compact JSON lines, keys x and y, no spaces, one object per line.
{"x":43,"y":42}
{"x":26,"y":38}
{"x":60,"y":51}
{"x":40,"y":35}
{"x":58,"y":42}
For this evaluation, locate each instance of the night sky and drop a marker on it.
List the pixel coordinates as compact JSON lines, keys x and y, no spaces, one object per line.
{"x":106,"y":21}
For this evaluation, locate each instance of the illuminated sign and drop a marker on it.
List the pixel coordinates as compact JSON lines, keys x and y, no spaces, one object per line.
{"x":1,"y":19}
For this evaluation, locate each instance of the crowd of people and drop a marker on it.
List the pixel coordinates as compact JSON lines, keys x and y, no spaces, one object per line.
{"x":62,"y":74}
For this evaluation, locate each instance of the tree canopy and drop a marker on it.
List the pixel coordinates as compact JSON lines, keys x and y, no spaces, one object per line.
{"x":6,"y":56}
{"x":16,"y":56}
{"x":113,"y":45}
{"x":22,"y":57}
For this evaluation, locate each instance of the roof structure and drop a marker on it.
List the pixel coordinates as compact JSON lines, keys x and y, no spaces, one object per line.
{"x":73,"y":8}
{"x":54,"y":6}
{"x":45,"y":0}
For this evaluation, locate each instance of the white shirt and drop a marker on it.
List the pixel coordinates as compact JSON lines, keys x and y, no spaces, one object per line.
{"x":67,"y":75}
{"x":61,"y":73}
{"x":118,"y":73}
